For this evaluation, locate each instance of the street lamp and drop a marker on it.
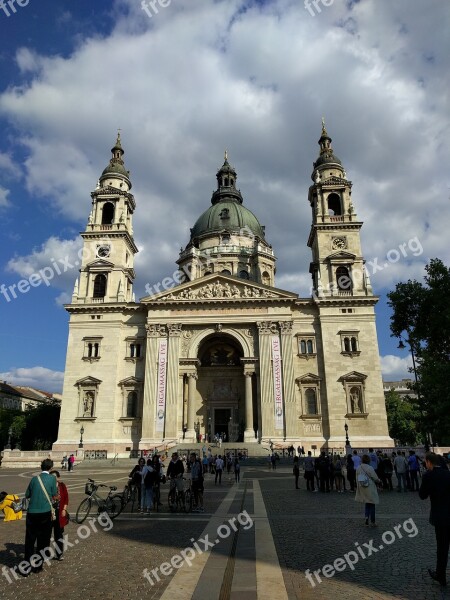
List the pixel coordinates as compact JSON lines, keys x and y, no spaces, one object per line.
{"x":347,"y":441}
{"x":401,"y":346}
{"x":8,"y":444}
{"x":80,"y":445}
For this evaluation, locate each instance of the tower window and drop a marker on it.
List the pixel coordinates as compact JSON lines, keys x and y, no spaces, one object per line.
{"x":307,"y":346}
{"x":108,"y":213}
{"x":100,"y":286}
{"x":266,"y":278}
{"x":226,"y":272}
{"x":349,"y":342}
{"x":244,"y":274}
{"x":343,"y":279}
{"x":334,"y":204}
{"x":91,"y":349}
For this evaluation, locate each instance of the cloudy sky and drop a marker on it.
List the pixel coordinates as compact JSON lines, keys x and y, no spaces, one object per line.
{"x":187,"y":80}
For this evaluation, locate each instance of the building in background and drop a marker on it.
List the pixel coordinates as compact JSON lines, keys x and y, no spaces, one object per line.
{"x":224,"y":351}
{"x":18,"y":397}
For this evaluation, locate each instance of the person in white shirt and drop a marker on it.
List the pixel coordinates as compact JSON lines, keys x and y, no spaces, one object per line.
{"x":219,"y":469}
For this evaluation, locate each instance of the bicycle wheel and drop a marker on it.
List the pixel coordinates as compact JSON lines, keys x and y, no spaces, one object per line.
{"x":113,"y":506}
{"x":83,"y":510}
{"x":188,"y":501}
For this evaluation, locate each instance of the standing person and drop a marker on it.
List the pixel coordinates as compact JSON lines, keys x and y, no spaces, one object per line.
{"x":71,"y":462}
{"x":64,"y":463}
{"x":175,"y":472}
{"x":386,"y":472}
{"x":273,"y":460}
{"x":296,"y":471}
{"x":39,"y":515}
{"x":62,"y":519}
{"x":373,"y":459}
{"x":400,"y":470}
{"x":135,"y":478}
{"x":366,"y":491}
{"x":356,"y":459}
{"x":338,"y":476}
{"x":148,"y":480}
{"x":197,"y":482}
{"x":436,"y":486}
{"x":413,"y":464}
{"x":323,"y":466}
{"x":309,"y":472}
{"x":219,"y":470}
{"x":237,"y":471}
{"x":351,"y":472}
{"x":205,"y":464}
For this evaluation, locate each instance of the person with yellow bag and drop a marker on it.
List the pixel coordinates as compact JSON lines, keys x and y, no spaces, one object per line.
{"x":7,"y":505}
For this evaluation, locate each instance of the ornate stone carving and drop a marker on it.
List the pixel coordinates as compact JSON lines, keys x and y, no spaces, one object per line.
{"x":220,"y":290}
{"x":174,"y":329}
{"x":313,"y":427}
{"x":285,"y":327}
{"x":267,"y":328}
{"x":156,"y":330}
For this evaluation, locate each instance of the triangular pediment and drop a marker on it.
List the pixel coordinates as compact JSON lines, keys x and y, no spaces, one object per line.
{"x":88,"y":381}
{"x":353,"y":376}
{"x":100,"y":264}
{"x":333,"y":180}
{"x":341,"y":255}
{"x":220,"y":288}
{"x":130,"y":381}
{"x":308,"y":378}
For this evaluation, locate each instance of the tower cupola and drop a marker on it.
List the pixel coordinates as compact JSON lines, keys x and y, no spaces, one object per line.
{"x":327,"y":159}
{"x":116,"y":173}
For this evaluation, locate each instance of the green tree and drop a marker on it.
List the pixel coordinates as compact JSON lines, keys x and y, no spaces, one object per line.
{"x":41,"y":428}
{"x":403,"y":417}
{"x":421,"y":315}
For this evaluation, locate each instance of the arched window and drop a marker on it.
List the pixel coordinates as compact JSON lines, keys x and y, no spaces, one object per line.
{"x":207,"y":273}
{"x":132,"y":402}
{"x":354,"y":345}
{"x":96,"y":350}
{"x":226,"y":272}
{"x":334,"y":205}
{"x":266,"y":278}
{"x":311,"y":401}
{"x":100,"y":286}
{"x":346,"y":344}
{"x":108,"y":213}
{"x":309,"y":346}
{"x":90,"y":350}
{"x":303,"y":347}
{"x":343,"y":279}
{"x":244,"y":274}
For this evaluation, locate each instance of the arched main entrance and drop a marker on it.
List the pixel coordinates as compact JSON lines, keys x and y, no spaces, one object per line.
{"x":221,"y":383}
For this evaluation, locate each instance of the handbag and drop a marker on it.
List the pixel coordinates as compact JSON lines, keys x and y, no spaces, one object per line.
{"x":48,"y":498}
{"x":17,"y":505}
{"x":363,"y":479}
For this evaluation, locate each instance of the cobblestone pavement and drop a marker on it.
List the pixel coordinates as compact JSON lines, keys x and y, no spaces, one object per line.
{"x":309,"y":531}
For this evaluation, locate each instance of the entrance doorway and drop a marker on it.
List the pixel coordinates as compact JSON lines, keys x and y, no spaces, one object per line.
{"x":222,"y":420}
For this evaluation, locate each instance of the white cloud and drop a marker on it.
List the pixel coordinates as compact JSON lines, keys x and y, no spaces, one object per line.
{"x":38,"y":377}
{"x":4,"y":193}
{"x":395,"y":368}
{"x":202,"y":76}
{"x":8,"y":167}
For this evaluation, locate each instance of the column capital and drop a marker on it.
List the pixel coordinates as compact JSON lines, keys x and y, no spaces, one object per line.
{"x":267,"y":328}
{"x":156,"y":330}
{"x":174,"y":329}
{"x":192,"y":375}
{"x":285,"y":327}
{"x":249,"y":373}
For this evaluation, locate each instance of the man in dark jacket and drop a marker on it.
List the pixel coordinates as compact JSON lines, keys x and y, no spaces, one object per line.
{"x":436,"y":486}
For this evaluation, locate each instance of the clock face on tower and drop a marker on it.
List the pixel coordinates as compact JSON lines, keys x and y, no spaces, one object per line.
{"x":339,"y":243}
{"x":103,"y":251}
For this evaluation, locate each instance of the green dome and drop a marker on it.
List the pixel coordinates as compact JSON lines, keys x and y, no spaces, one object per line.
{"x":115,"y":169}
{"x":230,"y":215}
{"x":327,"y":158}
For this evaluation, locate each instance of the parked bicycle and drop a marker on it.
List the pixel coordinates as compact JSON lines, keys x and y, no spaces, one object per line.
{"x":112,"y":504}
{"x":180,"y":500}
{"x":128,"y":495}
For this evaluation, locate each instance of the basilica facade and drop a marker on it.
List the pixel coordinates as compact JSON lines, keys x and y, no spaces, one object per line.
{"x":224,"y":350}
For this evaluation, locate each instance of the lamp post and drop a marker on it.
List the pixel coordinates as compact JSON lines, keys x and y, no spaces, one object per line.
{"x":80,"y":445}
{"x":402,"y":346}
{"x":8,"y":444}
{"x":347,"y":441}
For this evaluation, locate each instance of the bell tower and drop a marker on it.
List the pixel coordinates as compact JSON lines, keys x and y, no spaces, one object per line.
{"x":107,"y":266}
{"x":337,"y":268}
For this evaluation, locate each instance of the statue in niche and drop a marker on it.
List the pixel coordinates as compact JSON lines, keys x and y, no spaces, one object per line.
{"x":88,"y":404}
{"x":356,"y":400}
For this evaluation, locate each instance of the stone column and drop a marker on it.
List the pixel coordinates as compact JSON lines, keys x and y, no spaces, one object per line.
{"x":190,"y":433}
{"x":172,"y":405}
{"x":154,"y":332}
{"x":266,"y":329}
{"x":290,"y":411}
{"x":249,"y":433}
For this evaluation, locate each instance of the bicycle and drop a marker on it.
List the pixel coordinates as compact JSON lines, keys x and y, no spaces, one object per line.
{"x":180,"y":500}
{"x":129,"y":494}
{"x":112,"y":504}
